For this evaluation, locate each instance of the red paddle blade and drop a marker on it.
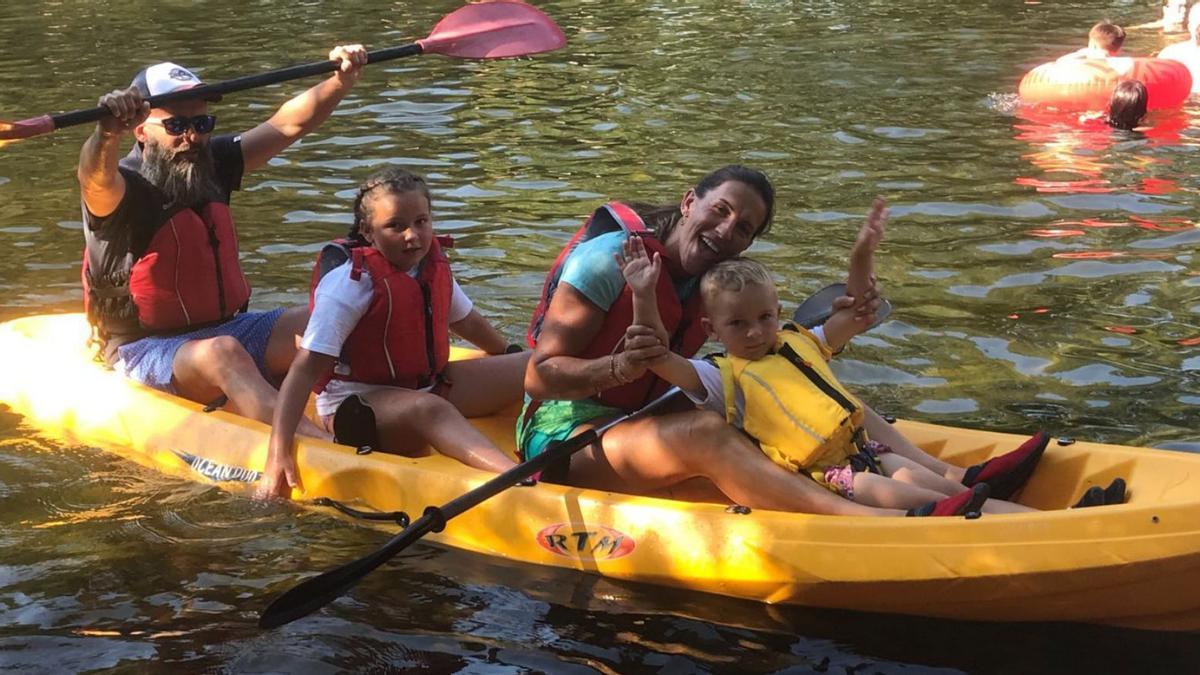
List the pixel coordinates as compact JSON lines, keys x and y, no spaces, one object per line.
{"x":494,"y":30}
{"x":15,"y":131}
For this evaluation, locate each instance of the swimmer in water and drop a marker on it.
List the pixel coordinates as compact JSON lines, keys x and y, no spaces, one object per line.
{"x":1126,"y":108}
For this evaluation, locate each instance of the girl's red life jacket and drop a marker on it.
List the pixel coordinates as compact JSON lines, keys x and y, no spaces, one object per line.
{"x":188,"y":276}
{"x":403,"y":340}
{"x":681,"y":319}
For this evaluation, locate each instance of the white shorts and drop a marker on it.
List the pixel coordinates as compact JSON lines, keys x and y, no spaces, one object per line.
{"x":339,"y":390}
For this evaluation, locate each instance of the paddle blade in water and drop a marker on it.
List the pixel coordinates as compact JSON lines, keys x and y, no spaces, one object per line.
{"x":494,"y":30}
{"x":311,"y":595}
{"x":15,"y":131}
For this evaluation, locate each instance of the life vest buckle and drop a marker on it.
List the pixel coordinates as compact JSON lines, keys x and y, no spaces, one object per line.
{"x":859,"y":438}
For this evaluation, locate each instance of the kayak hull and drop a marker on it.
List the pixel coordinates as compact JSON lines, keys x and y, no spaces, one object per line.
{"x":1128,"y":565}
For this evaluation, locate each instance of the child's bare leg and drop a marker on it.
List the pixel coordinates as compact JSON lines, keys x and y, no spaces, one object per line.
{"x":871,"y":489}
{"x":907,"y":471}
{"x":487,"y":385}
{"x":879,"y":430}
{"x":409,"y":420}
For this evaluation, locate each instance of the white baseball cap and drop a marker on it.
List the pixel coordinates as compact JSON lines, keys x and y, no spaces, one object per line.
{"x":166,"y":77}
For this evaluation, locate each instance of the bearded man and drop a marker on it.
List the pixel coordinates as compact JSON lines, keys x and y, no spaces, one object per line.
{"x":163,"y":286}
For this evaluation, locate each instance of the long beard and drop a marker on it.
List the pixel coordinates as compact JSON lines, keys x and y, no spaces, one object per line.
{"x":185,"y":180}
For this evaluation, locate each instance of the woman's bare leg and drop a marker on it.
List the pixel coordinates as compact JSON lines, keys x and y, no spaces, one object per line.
{"x":698,"y":489}
{"x":646,"y":455}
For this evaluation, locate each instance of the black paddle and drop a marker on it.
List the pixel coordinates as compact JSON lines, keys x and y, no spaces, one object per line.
{"x":312,"y":594}
{"x":483,"y":30}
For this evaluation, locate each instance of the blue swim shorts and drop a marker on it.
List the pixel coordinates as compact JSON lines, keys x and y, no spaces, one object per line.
{"x":150,"y":360}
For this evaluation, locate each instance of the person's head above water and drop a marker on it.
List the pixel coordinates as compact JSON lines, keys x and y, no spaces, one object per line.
{"x":392,"y":214}
{"x":716,"y":220}
{"x":1106,"y":36}
{"x":1127,"y":106}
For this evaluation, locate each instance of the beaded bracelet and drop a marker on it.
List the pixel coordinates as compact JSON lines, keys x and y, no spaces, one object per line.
{"x":616,"y":372}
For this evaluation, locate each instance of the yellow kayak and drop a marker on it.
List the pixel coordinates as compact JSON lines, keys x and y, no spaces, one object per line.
{"x":1133,"y":565}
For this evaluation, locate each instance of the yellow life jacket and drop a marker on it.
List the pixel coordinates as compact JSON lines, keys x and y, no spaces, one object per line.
{"x":801,"y":416}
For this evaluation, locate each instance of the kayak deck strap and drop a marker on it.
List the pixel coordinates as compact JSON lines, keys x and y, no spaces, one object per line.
{"x":399,"y":517}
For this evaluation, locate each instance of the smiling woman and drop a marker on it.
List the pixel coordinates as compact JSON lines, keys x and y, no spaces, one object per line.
{"x":590,"y":364}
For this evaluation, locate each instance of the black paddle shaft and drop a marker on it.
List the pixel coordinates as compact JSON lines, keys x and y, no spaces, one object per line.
{"x":558,"y":450}
{"x":238,"y":84}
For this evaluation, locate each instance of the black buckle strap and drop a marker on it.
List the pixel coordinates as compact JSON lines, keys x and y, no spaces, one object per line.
{"x":399,"y":517}
{"x":828,"y":389}
{"x":859,"y":438}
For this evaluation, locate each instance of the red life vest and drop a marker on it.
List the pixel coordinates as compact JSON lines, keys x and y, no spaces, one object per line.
{"x":681,"y":319}
{"x":188,"y":276}
{"x":403,"y":340}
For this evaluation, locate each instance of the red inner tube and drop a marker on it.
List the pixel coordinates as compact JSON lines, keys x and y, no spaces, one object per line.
{"x":1087,"y":84}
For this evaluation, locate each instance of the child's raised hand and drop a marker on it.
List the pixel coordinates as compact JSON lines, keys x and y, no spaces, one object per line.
{"x":639,"y":269}
{"x":862,"y":256}
{"x":871,"y":232}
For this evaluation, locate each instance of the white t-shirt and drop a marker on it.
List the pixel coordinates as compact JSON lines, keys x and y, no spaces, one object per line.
{"x":714,"y":390}
{"x":338,"y":305}
{"x":340,"y":302}
{"x":1187,"y":53}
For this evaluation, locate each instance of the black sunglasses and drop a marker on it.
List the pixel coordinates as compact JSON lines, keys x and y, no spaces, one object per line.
{"x":176,"y":126}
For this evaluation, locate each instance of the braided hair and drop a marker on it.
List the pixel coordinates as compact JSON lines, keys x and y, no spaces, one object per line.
{"x":392,"y":181}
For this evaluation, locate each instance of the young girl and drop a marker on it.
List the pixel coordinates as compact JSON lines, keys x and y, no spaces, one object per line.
{"x":774,"y":385}
{"x":379,"y":333}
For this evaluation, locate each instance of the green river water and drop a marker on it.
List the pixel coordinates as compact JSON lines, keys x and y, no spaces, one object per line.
{"x":1042,"y":277}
